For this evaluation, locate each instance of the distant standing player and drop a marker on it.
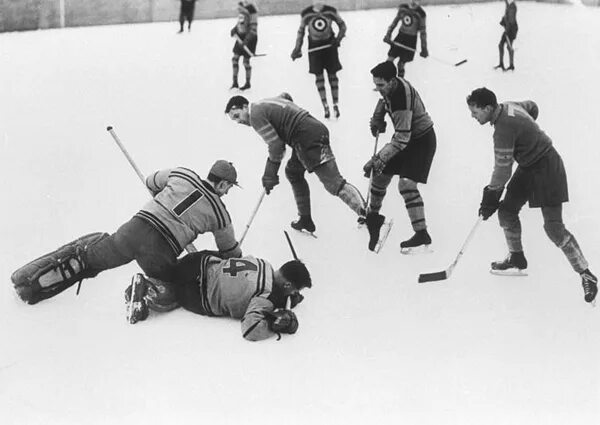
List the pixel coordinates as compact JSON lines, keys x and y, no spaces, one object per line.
{"x":245,"y":33}
{"x":321,"y":37}
{"x":280,"y":122}
{"x":186,"y":13}
{"x":540,"y":178}
{"x":509,"y":22}
{"x":412,"y":21}
{"x":408,"y":155}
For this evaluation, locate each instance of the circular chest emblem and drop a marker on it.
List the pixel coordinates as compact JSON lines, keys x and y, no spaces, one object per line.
{"x":319,"y":24}
{"x":407,"y":20}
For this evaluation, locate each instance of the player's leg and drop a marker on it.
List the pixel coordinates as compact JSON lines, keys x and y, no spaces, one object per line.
{"x":320,"y":83}
{"x":511,"y":36}
{"x":334,"y":85}
{"x":416,"y":212}
{"x":248,"y":69}
{"x":375,"y":220}
{"x":181,"y":17}
{"x":295,"y":173}
{"x":501,"y":51}
{"x":235,"y":65}
{"x":329,"y":174}
{"x":190,"y":15}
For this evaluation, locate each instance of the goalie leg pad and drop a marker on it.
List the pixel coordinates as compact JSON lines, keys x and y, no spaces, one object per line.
{"x":52,"y":273}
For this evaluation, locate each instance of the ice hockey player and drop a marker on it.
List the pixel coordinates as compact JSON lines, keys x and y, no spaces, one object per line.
{"x":408,"y":155}
{"x":245,"y":33}
{"x":540,"y":178}
{"x":183,"y":206}
{"x":186,"y":13}
{"x":246,"y":288}
{"x":509,"y":35}
{"x":412,"y":20}
{"x":323,"y":46}
{"x":279,"y":121}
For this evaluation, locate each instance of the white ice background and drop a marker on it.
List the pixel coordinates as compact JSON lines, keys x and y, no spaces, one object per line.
{"x":374,"y":346}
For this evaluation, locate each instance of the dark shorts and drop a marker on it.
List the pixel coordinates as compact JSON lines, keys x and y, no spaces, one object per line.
{"x":238,"y":48}
{"x":405,"y":55}
{"x":414,"y":162}
{"x":510,"y":33}
{"x":310,"y":142}
{"x":327,"y":59}
{"x":543,"y":184}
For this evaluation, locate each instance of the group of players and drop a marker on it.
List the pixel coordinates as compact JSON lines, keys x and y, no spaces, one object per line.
{"x":226,"y":283}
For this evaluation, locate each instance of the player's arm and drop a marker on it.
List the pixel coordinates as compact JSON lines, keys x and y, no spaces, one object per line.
{"x":423,"y":32}
{"x":256,"y":322}
{"x":157,"y":181}
{"x":530,"y":107}
{"x":300,"y":36}
{"x":341,"y":26}
{"x":226,"y":243}
{"x":260,"y":122}
{"x":388,"y":35}
{"x":377,"y":123}
{"x":504,"y":146}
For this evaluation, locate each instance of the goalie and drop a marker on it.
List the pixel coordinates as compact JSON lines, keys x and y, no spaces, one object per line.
{"x":246,"y":288}
{"x":183,"y":206}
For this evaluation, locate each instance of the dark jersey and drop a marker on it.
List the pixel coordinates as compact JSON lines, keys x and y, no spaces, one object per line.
{"x":509,"y":20}
{"x":247,"y":20}
{"x":412,"y":20}
{"x":319,"y":25}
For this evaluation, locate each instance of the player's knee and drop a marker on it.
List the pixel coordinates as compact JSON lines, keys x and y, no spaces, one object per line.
{"x":556,"y":232}
{"x":294,"y":174}
{"x":406,"y":184}
{"x":334,"y":185}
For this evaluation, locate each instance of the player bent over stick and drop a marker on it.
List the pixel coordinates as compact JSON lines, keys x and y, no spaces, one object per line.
{"x":183,"y":206}
{"x":540,"y":178}
{"x":409,"y":154}
{"x":246,"y":288}
{"x":281,"y":122}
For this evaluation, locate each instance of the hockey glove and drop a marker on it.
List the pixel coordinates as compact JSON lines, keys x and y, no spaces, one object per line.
{"x":296,"y":53}
{"x":374,"y":164}
{"x":233,"y":31}
{"x":270,"y":178}
{"x":387,"y":39}
{"x":377,"y":127}
{"x":283,"y":321}
{"x":489,"y":202}
{"x":295,"y":299}
{"x":424,"y":53}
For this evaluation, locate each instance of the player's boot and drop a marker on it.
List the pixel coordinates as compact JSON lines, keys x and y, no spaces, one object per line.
{"x":327,"y":113}
{"x":245,"y":86}
{"x":500,"y":66}
{"x":590,"y":285}
{"x":514,"y":264}
{"x":305,"y":222}
{"x":510,"y":68}
{"x":137,"y":307}
{"x":420,"y":240}
{"x":234,"y":85}
{"x":336,"y":111}
{"x":374,"y":222}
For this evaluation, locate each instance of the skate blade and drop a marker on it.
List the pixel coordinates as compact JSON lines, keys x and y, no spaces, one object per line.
{"x":421,"y":249}
{"x":509,"y":272}
{"x":306,"y":233}
{"x":384,"y":233}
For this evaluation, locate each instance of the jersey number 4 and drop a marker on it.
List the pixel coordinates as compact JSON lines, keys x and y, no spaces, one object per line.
{"x":237,"y":265}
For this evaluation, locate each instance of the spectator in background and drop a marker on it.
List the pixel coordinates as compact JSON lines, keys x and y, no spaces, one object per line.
{"x":186,"y":13}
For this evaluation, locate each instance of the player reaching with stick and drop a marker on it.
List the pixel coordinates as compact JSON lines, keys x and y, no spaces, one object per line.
{"x":245,"y":33}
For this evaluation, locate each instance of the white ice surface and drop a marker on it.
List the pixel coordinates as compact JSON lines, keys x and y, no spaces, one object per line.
{"x":374,"y":347}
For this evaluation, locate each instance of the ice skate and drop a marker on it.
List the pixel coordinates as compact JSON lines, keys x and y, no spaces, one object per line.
{"x":510,"y":68}
{"x":419,"y":243}
{"x":137,"y":307}
{"x":336,"y":111}
{"x":379,"y":230}
{"x":234,"y":85}
{"x":304,"y":225}
{"x":245,"y":86}
{"x":590,"y":286}
{"x":327,"y":113}
{"x":514,"y":264}
{"x":500,"y":66}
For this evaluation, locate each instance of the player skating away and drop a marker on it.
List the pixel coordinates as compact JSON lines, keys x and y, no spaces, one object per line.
{"x":183,"y":206}
{"x":281,"y":122}
{"x":186,"y":13}
{"x":323,"y":46}
{"x":245,"y":33}
{"x":509,"y":35}
{"x":246,"y":288}
{"x":408,"y":155}
{"x":412,"y":20}
{"x":539,"y":179}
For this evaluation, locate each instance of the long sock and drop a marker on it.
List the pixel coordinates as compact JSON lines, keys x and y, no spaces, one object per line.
{"x":414,"y":207}
{"x":512,"y":231}
{"x":378,"y":191}
{"x":571,"y":249}
{"x":235,"y":67}
{"x":333,"y":83}
{"x":301,"y":192}
{"x":248,"y":69}
{"x":320,"y":83}
{"x":352,"y":197}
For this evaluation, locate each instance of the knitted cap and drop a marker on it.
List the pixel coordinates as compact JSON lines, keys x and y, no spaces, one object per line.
{"x":224,"y":170}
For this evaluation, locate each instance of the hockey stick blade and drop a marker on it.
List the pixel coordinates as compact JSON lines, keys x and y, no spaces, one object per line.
{"x":460,"y":63}
{"x":433,"y":277}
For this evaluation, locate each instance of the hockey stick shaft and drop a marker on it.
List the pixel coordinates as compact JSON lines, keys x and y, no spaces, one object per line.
{"x":371,"y":175}
{"x":395,"y":43}
{"x":289,"y":241}
{"x":190,"y":248}
{"x":316,"y":49}
{"x":262,"y":196}
{"x":246,"y":49}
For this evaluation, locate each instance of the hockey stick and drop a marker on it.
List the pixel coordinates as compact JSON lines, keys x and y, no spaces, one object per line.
{"x":246,"y":49}
{"x":371,"y":176}
{"x":190,"y":248}
{"x":290,"y":244}
{"x":459,"y":63}
{"x":323,"y":47}
{"x":436,"y":276}
{"x":262,"y":196}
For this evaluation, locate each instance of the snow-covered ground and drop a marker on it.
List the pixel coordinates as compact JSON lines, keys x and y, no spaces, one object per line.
{"x":374,"y":346}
